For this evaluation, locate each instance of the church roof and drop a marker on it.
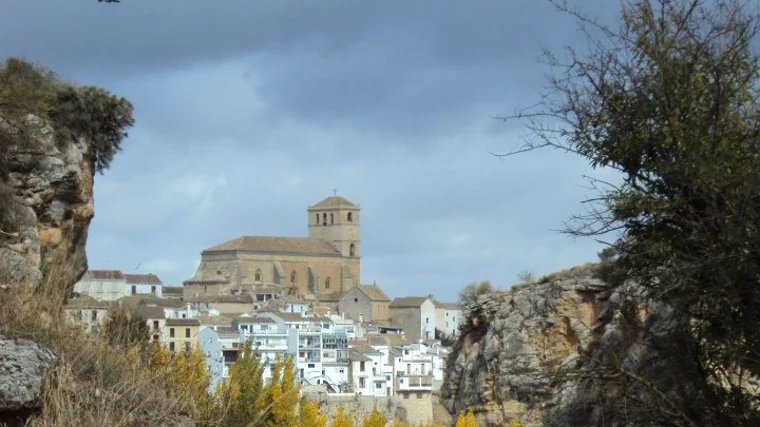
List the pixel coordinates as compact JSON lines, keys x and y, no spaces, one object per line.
{"x":277,"y":245}
{"x":334,"y":202}
{"x":374,"y":292}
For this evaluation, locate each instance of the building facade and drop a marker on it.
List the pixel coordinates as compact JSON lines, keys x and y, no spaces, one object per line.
{"x":365,"y":302}
{"x":324,"y":264}
{"x":416,"y":315}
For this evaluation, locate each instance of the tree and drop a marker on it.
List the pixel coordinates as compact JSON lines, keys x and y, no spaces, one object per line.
{"x":309,"y":415}
{"x":466,"y":419}
{"x":240,"y":393}
{"x":279,"y":400}
{"x":341,"y":419}
{"x":376,"y":418}
{"x":669,"y":100}
{"x":124,"y":328}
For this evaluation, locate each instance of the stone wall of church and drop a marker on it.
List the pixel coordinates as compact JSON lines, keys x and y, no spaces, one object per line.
{"x":243,"y":267}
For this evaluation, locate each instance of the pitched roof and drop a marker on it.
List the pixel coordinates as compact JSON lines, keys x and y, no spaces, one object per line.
{"x":387,"y":339}
{"x":227,"y":330}
{"x":408,"y":302}
{"x":150,"y":312}
{"x":182,"y":322}
{"x":448,"y":305}
{"x":103,"y":275}
{"x":365,"y":349}
{"x":143,"y":279}
{"x":86,"y":301}
{"x":254,"y":319}
{"x":277,"y":245}
{"x":172,"y":291}
{"x":334,"y":202}
{"x":357,"y":356}
{"x":239,"y":299}
{"x":373,"y":292}
{"x":215,"y":320}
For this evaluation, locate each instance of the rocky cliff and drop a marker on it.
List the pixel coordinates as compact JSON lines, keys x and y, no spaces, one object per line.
{"x":521,"y":350}
{"x":50,"y":189}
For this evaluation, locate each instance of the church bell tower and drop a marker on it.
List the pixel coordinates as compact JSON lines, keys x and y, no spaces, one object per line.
{"x":337,"y":220}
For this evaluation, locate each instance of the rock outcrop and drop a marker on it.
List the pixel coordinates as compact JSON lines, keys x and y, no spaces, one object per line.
{"x":50,"y":190}
{"x":518,"y":348}
{"x":23,"y":368}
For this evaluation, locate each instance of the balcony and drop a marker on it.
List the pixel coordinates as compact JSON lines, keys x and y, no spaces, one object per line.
{"x":415,"y":382}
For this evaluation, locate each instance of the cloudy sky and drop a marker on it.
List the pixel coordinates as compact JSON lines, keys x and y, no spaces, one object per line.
{"x":249,"y":111}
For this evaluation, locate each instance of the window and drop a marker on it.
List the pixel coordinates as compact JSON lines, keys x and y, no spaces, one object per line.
{"x":187,"y":332}
{"x":134,"y":289}
{"x":427,"y":320}
{"x":310,"y":365}
{"x":352,"y":250}
{"x":187,"y":346}
{"x":356,"y":299}
{"x":171,"y":332}
{"x":327,"y":283}
{"x":293,"y":278}
{"x":155,"y":325}
{"x":341,"y":371}
{"x":171,"y":346}
{"x":257,"y":276}
{"x":332,"y":219}
{"x":153,"y":290}
{"x":361,"y":366}
{"x":350,"y":217}
{"x":94,"y":315}
{"x":378,"y":385}
{"x":362,"y":383}
{"x":323,"y":371}
{"x":317,"y":219}
{"x":324,"y":219}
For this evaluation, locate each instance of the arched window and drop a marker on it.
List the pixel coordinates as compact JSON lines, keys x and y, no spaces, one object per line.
{"x":352,"y":250}
{"x":327,"y":283}
{"x":257,"y":276}
{"x":293,"y":278}
{"x":350,"y":216}
{"x":324,"y":219}
{"x":317,"y":219}
{"x":332,"y":219}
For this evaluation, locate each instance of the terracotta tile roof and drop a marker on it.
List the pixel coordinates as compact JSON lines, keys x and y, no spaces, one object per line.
{"x":241,"y":299}
{"x":227,"y":330}
{"x":103,"y":275}
{"x":365,"y":349}
{"x":172,"y":291}
{"x":356,"y":356}
{"x":293,"y":317}
{"x":86,"y":301}
{"x":408,"y":302}
{"x":182,"y":322}
{"x":143,"y":279}
{"x":277,"y":245}
{"x":334,"y":202}
{"x":374,"y":292}
{"x":150,"y":312}
{"x":448,"y":305}
{"x":254,"y":319}
{"x":215,"y":320}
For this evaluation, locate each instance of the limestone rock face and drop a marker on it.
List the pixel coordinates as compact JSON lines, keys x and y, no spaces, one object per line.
{"x":51,"y":191}
{"x":23,"y":368}
{"x":514,"y":342}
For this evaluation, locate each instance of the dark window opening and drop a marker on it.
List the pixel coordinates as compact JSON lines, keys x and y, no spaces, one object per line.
{"x":257,"y":276}
{"x":352,"y":250}
{"x":327,"y":283}
{"x":350,"y":217}
{"x":187,"y":332}
{"x":293,"y":278}
{"x":332,"y":219}
{"x":324,"y":219}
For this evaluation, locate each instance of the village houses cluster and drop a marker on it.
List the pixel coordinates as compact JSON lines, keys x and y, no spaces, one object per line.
{"x":294,"y":296}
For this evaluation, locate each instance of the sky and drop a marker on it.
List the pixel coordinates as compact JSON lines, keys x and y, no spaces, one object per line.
{"x":249,"y":111}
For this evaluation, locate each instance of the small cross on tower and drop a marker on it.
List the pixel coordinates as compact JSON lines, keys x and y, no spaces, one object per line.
{"x":335,"y":192}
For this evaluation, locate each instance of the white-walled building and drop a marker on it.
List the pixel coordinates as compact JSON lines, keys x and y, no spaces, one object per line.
{"x":448,"y":317}
{"x":416,"y":315}
{"x":368,"y":375}
{"x":110,"y":285}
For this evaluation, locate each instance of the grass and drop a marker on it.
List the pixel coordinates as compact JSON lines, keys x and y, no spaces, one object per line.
{"x":92,"y":383}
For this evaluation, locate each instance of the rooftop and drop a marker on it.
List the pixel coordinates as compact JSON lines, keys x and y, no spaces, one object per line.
{"x":374,"y":293}
{"x":241,"y":298}
{"x":409,"y":302}
{"x":86,"y":301}
{"x":143,"y":279}
{"x":277,"y":245}
{"x":183,"y":322}
{"x":103,"y":275}
{"x":172,"y":291}
{"x":334,"y":202}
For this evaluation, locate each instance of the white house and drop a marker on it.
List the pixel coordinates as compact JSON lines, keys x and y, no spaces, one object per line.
{"x":269,"y":338}
{"x":109,"y":285}
{"x":147,"y":284}
{"x":448,"y":317}
{"x":416,"y":315}
{"x":368,"y":375}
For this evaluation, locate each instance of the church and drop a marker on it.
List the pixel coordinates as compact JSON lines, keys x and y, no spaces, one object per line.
{"x":320,"y":267}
